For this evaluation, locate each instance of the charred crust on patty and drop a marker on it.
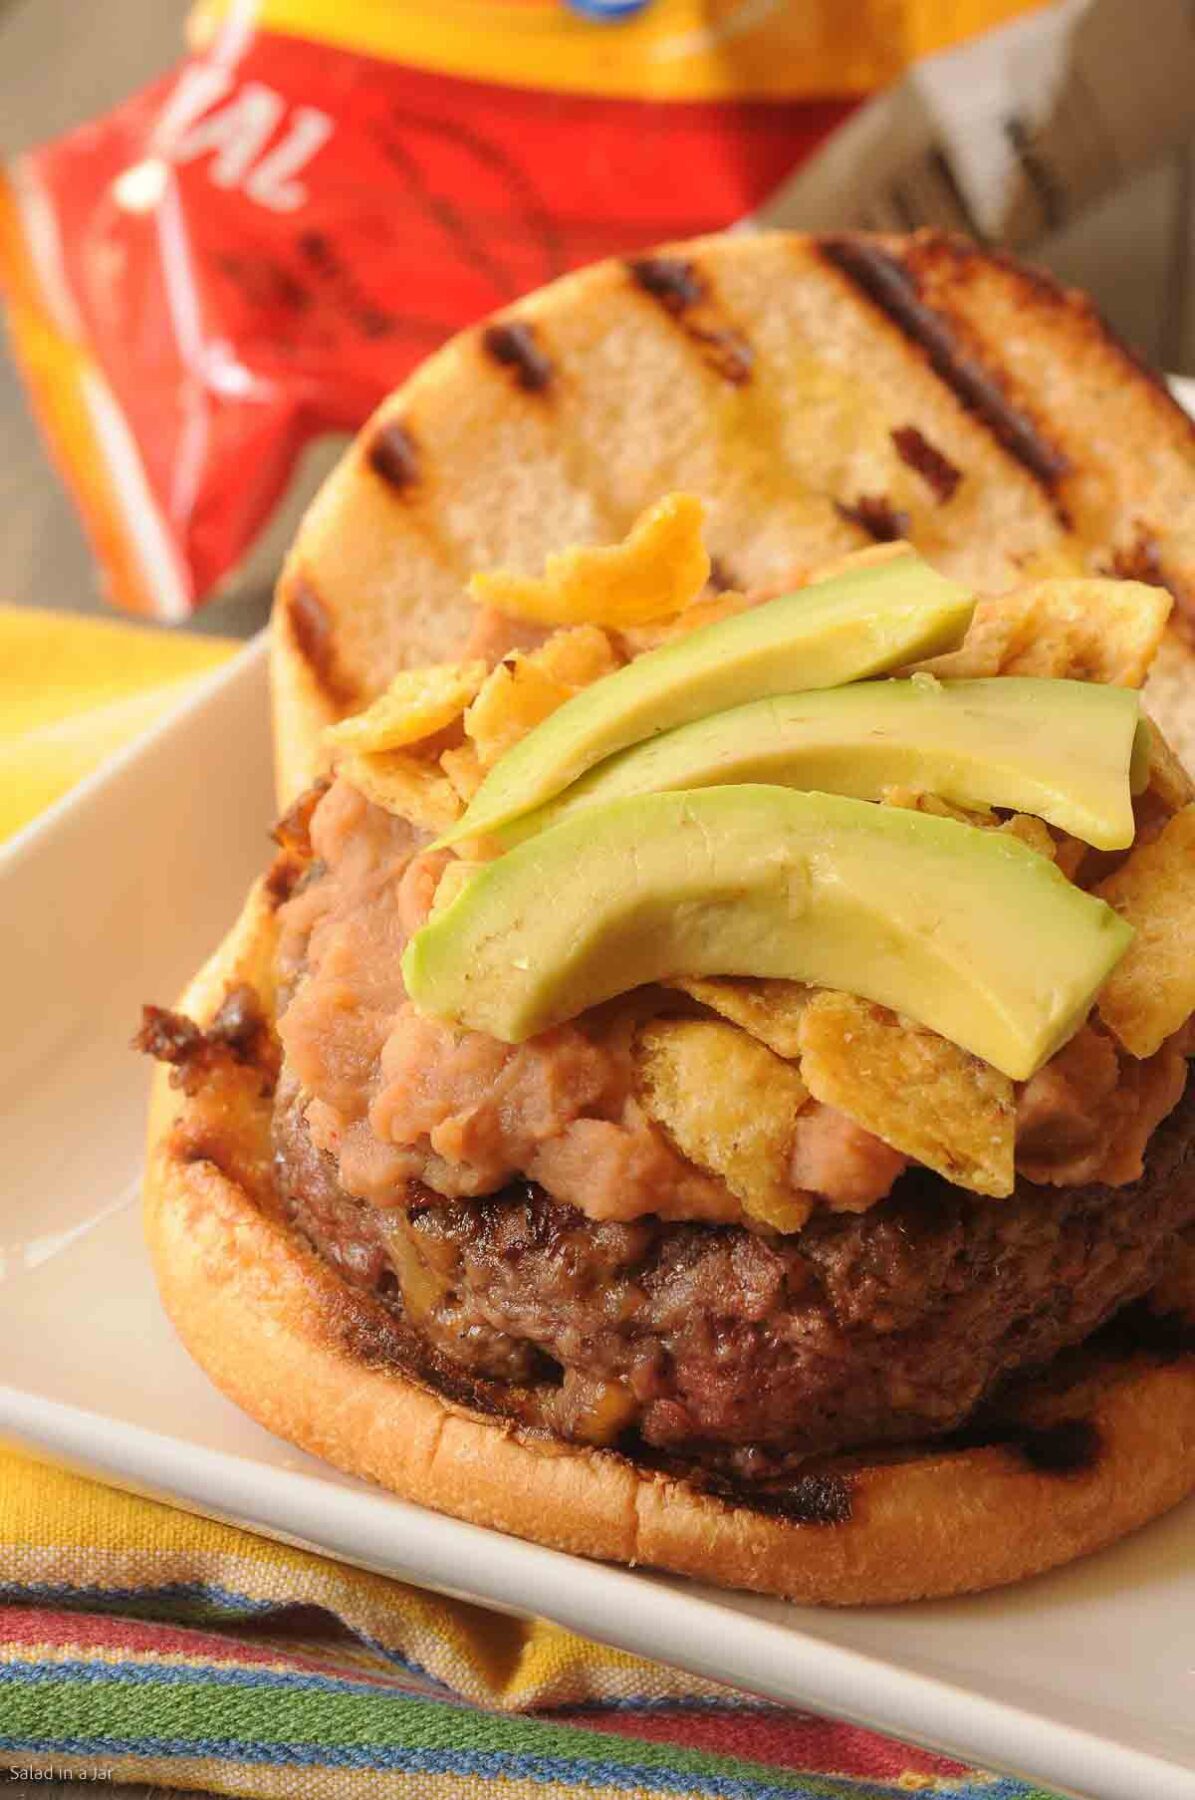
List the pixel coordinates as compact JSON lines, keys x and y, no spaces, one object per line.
{"x":506,"y":1275}
{"x":375,"y":1333}
{"x":515,"y":346}
{"x":240,"y":1035}
{"x":933,"y":465}
{"x":893,"y":287}
{"x":683,"y":292}
{"x":393,"y":454}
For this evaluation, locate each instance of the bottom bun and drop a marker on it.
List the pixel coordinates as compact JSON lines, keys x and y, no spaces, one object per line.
{"x":1102,"y":1442}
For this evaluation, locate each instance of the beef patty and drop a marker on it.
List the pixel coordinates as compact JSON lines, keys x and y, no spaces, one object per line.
{"x":881,"y":1327}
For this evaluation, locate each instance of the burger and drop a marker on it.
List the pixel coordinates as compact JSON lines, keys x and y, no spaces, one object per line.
{"x":703,"y":1080}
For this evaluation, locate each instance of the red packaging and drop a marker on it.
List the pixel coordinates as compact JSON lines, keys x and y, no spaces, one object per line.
{"x":257,"y":248}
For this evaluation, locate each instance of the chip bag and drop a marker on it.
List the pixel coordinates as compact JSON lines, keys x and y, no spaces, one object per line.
{"x":253,"y":251}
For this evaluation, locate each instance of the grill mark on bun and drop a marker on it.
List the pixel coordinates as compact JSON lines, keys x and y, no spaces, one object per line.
{"x":814,"y":1495}
{"x":935,"y":468}
{"x":315,"y":640}
{"x":947,"y":258}
{"x":683,"y":292}
{"x":1068,"y":1448}
{"x":1065,"y":1447}
{"x":517,"y":348}
{"x":720,"y":578}
{"x":956,"y":255}
{"x":891,"y":287}
{"x":877,"y":516}
{"x":394,"y":455}
{"x":1139,"y":561}
{"x":821,"y":1499}
{"x":674,"y":283}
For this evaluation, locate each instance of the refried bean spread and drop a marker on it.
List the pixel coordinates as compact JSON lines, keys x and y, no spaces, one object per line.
{"x":542,"y":1231}
{"x":742,"y":1028}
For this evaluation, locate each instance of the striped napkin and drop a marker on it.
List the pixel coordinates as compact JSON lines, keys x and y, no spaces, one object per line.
{"x":138,"y":1643}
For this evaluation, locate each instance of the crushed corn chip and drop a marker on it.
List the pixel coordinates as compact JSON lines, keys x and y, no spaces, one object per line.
{"x":716,"y":607}
{"x":659,"y":569}
{"x":576,"y":658}
{"x":916,"y":1091}
{"x":844,"y":564}
{"x":404,"y":784}
{"x":1081,"y":630}
{"x":640,"y":638}
{"x":730,"y":1106}
{"x":457,"y":875}
{"x":769,"y":1009}
{"x":1151,"y":991}
{"x":528,"y":685}
{"x":914,"y":799}
{"x":417,"y":704}
{"x":1061,"y":559}
{"x":463,"y":768}
{"x":1168,"y":780}
{"x":1070,"y":853}
{"x":1034,"y":832}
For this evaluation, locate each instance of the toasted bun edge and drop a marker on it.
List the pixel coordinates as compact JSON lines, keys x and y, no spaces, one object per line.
{"x":289,"y":1342}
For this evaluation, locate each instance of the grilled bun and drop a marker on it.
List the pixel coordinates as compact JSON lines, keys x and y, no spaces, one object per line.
{"x":818,"y":393}
{"x":814,"y":391}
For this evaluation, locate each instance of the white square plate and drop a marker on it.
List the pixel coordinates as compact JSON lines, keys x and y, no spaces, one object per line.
{"x":1084,"y":1680}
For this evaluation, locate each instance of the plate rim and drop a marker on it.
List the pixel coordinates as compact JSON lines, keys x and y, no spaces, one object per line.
{"x":784,"y":1663}
{"x":883,"y":1695}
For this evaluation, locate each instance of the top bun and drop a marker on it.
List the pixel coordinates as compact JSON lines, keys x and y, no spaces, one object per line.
{"x":816,"y":392}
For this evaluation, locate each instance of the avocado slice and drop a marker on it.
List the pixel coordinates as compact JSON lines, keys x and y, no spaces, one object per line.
{"x":872,"y":617}
{"x":1061,"y":749}
{"x":967,"y":931}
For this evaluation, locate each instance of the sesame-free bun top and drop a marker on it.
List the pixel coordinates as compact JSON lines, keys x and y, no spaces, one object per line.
{"x":815,"y":392}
